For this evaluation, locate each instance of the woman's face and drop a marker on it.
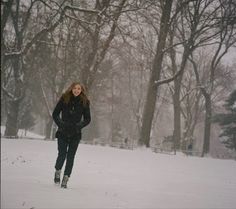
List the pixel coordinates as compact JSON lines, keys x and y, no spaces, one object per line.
{"x":76,"y":90}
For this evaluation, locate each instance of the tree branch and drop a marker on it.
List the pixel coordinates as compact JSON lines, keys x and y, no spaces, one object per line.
{"x":37,"y":37}
{"x":168,"y":80}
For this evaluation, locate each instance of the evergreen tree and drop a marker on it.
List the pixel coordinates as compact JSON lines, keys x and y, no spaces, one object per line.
{"x":227,"y":121}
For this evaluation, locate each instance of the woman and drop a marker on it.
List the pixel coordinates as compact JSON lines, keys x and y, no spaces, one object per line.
{"x":73,"y":105}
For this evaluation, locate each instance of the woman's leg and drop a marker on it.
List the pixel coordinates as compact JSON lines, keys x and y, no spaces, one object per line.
{"x":62,"y":151}
{"x":73,"y":145}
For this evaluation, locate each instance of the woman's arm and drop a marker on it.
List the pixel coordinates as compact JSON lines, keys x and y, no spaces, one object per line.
{"x":86,"y":117}
{"x":56,"y":114}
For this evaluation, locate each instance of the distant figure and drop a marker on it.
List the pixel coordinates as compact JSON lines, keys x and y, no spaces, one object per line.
{"x":190,"y":149}
{"x":73,"y":105}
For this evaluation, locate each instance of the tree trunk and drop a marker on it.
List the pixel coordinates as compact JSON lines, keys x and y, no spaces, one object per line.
{"x":207,"y":128}
{"x":48,"y":128}
{"x":234,"y":141}
{"x":12,"y":117}
{"x":150,"y":102}
{"x":6,"y":10}
{"x":177,"y":114}
{"x":14,"y":103}
{"x":177,"y":88}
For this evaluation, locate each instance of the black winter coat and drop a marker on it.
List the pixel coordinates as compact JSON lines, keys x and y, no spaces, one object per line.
{"x":70,"y":123}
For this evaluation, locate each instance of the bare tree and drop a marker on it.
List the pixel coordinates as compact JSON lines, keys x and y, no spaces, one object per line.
{"x":191,"y":108}
{"x":200,"y":20}
{"x":19,"y":14}
{"x":150,"y":101}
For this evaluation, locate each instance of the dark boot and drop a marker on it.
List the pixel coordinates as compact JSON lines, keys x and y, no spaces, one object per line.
{"x":64,"y":181}
{"x":57,"y":179}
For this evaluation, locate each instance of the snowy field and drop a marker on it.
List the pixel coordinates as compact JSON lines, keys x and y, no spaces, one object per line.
{"x":105,"y":177}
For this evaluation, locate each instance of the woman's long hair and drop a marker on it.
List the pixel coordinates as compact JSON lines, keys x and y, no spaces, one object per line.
{"x":68,"y":94}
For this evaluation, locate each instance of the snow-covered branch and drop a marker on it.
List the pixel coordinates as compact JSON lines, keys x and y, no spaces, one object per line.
{"x":80,"y":20}
{"x":168,"y":80}
{"x":69,"y":7}
{"x":174,"y":45}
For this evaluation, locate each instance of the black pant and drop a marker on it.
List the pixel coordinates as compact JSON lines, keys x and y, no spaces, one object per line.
{"x":66,"y":151}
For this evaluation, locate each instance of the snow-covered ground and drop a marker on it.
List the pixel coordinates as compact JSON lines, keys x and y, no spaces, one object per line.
{"x":105,"y":177}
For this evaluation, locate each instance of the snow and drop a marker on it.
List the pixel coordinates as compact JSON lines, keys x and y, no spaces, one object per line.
{"x":105,"y":177}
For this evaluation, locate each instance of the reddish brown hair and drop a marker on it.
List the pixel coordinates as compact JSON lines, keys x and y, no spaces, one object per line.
{"x":68,"y":94}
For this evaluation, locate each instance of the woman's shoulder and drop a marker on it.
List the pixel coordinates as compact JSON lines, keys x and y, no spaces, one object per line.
{"x":61,"y":101}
